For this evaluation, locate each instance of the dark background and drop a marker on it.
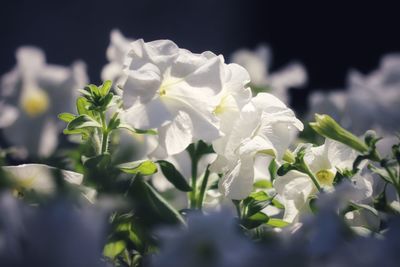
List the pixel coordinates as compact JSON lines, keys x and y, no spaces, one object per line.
{"x":329,"y":37}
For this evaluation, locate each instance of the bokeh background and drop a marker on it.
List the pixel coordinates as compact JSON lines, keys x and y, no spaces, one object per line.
{"x":328,"y":37}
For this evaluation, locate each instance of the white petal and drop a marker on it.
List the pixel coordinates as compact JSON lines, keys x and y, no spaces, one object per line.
{"x":238,"y":183}
{"x":48,"y":139}
{"x":8,"y":114}
{"x":177,"y":135}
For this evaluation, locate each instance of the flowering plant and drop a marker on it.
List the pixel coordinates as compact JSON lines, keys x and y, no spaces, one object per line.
{"x":179,"y":162}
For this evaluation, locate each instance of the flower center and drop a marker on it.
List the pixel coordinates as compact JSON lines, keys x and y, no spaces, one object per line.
{"x":35,"y":102}
{"x":325,"y":177}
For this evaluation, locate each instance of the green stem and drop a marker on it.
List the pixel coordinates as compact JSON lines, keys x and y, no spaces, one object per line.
{"x":393,"y":178}
{"x":104,"y":140}
{"x":237,"y":206}
{"x":307,"y":170}
{"x":203,"y":188}
{"x":194,"y":181}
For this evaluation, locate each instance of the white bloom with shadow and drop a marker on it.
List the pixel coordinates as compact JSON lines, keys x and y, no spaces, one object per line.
{"x":33,"y":94}
{"x":265,"y":126}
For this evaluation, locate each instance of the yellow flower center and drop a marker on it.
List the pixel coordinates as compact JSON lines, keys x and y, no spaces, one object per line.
{"x":325,"y":177}
{"x":35,"y":102}
{"x":221,"y":107}
{"x":18,"y":191}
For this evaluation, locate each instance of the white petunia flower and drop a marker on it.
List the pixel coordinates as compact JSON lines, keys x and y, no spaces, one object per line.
{"x":32,"y":95}
{"x":265,"y":126}
{"x":48,"y":235}
{"x":209,"y":240}
{"x":296,"y":187}
{"x":39,"y":177}
{"x":174,"y":91}
{"x":116,"y":53}
{"x":258,"y":63}
{"x":370,"y":101}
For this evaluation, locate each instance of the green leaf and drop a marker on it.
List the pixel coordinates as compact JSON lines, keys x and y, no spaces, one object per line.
{"x":114,"y":248}
{"x":273,"y":168}
{"x":82,"y":106}
{"x":93,"y":89}
{"x":256,"y":202}
{"x":255,"y":220}
{"x":277,"y":223}
{"x":174,"y":176}
{"x":105,"y":88}
{"x":285,"y":168}
{"x":137,"y":131}
{"x":143,"y":167}
{"x":277,"y":204}
{"x":151,"y":207}
{"x":67,"y":117}
{"x":262,"y":184}
{"x":83,"y":121}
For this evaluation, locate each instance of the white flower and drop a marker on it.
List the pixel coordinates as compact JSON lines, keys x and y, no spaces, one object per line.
{"x":39,"y":177}
{"x":116,"y":53}
{"x":174,"y":91}
{"x":370,"y":102}
{"x":296,"y":187}
{"x":265,"y":126}
{"x":33,"y":94}
{"x":209,"y":240}
{"x":74,"y":235}
{"x":258,"y":63}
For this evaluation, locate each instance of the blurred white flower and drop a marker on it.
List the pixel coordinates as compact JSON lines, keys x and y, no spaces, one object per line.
{"x":370,"y":102}
{"x":296,"y":187}
{"x":210,"y":240}
{"x":57,"y":234}
{"x":39,"y":177}
{"x":33,"y":94}
{"x":174,"y":91}
{"x":265,"y":126}
{"x":258,"y":63}
{"x":116,"y":53}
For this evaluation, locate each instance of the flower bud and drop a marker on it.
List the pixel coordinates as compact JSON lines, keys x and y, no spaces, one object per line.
{"x":328,"y":127}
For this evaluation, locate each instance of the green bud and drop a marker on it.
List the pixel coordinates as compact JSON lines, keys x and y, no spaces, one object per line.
{"x":328,"y":127}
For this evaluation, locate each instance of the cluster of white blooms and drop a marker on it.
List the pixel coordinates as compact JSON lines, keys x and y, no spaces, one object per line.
{"x":189,"y":97}
{"x":370,"y":101}
{"x":32,"y":95}
{"x":170,"y":115}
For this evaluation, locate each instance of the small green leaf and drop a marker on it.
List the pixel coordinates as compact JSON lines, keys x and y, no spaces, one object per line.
{"x":137,"y":131}
{"x":256,"y":202}
{"x":67,"y":117}
{"x":255,"y":220}
{"x":83,"y":121}
{"x":105,"y":88}
{"x":285,"y":168}
{"x":93,"y":89}
{"x":82,"y":106}
{"x":143,"y":167}
{"x":174,"y":176}
{"x":262,"y":184}
{"x":114,"y":248}
{"x":277,"y":223}
{"x":273,"y":168}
